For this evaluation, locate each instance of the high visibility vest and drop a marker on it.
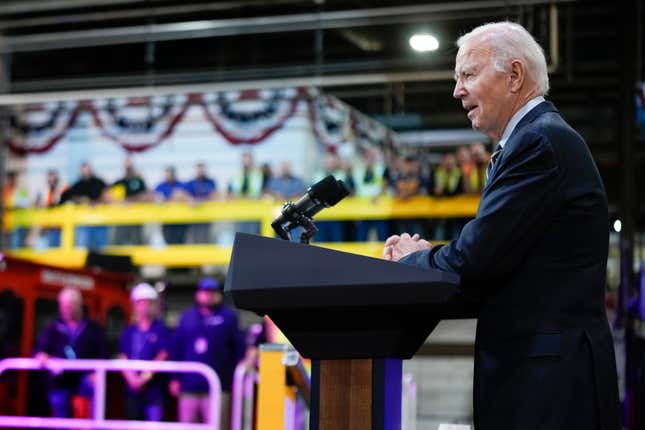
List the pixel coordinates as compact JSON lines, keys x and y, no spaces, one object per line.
{"x":471,"y":174}
{"x":52,"y":198}
{"x":254,"y":184}
{"x":372,"y":188}
{"x":449,"y":180}
{"x":15,"y":197}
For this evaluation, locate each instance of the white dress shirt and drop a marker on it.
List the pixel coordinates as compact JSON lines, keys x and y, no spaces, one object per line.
{"x":515,"y":119}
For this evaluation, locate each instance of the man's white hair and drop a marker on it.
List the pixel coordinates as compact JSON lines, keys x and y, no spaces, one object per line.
{"x":71,"y":294}
{"x":511,"y":41}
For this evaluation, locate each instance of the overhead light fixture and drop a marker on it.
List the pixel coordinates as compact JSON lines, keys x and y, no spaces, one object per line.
{"x":424,"y":42}
{"x":618,"y":226}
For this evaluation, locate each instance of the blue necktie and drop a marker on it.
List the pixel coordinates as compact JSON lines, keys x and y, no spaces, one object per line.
{"x":493,"y":159}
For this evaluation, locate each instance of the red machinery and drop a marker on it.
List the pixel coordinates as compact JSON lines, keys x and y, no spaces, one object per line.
{"x":28,"y":301}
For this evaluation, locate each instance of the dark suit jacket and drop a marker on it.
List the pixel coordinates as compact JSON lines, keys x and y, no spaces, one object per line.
{"x":56,"y":341}
{"x":535,"y":258}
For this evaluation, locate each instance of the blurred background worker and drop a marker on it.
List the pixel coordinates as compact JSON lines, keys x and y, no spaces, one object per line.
{"x":207,"y":333}
{"x":131,"y":187}
{"x":71,"y":336}
{"x":201,"y":188}
{"x":369,"y":182}
{"x":88,"y":189}
{"x":146,"y":339}
{"x":172,"y":189}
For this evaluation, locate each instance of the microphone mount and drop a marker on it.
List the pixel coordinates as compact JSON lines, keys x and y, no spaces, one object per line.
{"x":295,"y":218}
{"x":323,"y":194}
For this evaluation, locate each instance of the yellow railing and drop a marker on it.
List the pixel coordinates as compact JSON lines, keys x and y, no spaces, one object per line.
{"x":68,"y":217}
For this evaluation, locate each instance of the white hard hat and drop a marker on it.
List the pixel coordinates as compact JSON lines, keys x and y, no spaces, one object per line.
{"x":143,"y":291}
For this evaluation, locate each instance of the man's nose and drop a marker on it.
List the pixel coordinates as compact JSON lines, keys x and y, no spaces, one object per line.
{"x":459,"y":90}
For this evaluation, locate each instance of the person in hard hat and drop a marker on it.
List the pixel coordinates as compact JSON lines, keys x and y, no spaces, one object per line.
{"x":146,"y":339}
{"x":207,"y":333}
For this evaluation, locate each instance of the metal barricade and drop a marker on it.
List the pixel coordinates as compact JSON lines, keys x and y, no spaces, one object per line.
{"x":409,"y":403}
{"x":243,"y":397}
{"x":101,"y":367}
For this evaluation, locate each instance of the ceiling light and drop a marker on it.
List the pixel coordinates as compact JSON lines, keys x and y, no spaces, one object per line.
{"x":618,"y":226}
{"x":424,"y":42}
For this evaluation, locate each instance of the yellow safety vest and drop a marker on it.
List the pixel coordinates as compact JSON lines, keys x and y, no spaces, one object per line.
{"x":450,"y":181}
{"x":254,"y":186}
{"x":369,"y":189}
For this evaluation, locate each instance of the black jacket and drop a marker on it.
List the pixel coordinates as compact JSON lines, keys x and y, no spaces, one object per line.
{"x":89,"y":342}
{"x":535,"y":258}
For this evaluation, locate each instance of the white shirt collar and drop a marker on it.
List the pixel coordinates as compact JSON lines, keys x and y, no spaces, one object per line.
{"x":515,"y":119}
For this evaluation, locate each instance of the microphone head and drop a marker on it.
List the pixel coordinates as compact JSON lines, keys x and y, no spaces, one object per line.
{"x":328,"y":191}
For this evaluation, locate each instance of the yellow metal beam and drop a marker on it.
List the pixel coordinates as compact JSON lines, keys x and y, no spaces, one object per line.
{"x":172,"y":255}
{"x":263,"y":211}
{"x":271,"y":388}
{"x":69,"y":217}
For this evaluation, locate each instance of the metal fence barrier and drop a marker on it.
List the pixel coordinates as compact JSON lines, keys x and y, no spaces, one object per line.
{"x":243,"y":397}
{"x":100,"y":368}
{"x":409,"y":403}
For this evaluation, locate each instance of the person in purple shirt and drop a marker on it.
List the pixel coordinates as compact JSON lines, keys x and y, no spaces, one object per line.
{"x":207,"y":333}
{"x":201,"y":188}
{"x":171,"y":189}
{"x":147,"y":339}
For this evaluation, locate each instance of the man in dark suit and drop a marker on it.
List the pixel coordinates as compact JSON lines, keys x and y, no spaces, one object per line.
{"x":535,"y":256}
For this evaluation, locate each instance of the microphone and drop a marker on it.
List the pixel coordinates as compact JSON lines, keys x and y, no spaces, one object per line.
{"x":323,"y":194}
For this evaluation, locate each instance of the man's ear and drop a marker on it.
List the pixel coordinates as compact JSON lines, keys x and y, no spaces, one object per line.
{"x":517,"y":75}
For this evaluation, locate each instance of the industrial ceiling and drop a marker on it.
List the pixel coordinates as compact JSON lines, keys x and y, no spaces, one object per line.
{"x":357,"y":49}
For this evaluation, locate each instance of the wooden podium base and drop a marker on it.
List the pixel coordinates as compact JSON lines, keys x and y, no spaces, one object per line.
{"x":356,"y":394}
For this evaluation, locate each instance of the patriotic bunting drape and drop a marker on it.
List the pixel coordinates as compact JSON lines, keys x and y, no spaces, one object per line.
{"x":247,"y":117}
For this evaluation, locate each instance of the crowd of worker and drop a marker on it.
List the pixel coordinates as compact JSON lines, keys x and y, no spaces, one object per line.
{"x":371,"y":175}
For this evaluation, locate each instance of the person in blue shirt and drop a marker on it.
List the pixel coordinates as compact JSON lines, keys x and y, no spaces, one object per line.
{"x":171,"y":189}
{"x":286,"y":185}
{"x":146,"y":339}
{"x":201,"y":188}
{"x":207,"y":333}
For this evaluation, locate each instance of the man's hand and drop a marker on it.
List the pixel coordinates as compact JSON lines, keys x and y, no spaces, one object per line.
{"x":42,"y":357}
{"x":174,"y":387}
{"x":135,"y":381}
{"x":397,"y":247}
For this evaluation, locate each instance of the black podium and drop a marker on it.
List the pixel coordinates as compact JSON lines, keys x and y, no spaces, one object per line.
{"x":356,"y":317}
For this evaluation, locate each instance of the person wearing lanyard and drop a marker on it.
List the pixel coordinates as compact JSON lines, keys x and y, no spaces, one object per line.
{"x":207,"y":333}
{"x":71,"y":336}
{"x":146,"y":339}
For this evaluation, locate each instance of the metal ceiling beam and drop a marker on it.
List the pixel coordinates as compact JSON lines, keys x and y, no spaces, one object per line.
{"x":230,"y":27}
{"x":321,"y":81}
{"x":25,"y":6}
{"x":145,"y":11}
{"x":285,"y":72}
{"x":362,"y":40}
{"x":339,"y":80}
